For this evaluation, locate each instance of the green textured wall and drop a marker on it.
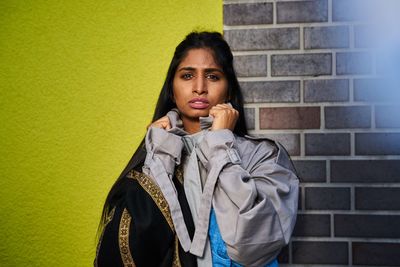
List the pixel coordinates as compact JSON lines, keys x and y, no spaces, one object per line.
{"x":79,"y":80}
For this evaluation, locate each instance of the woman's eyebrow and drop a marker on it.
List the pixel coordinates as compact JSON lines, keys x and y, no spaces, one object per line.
{"x":206,"y":70}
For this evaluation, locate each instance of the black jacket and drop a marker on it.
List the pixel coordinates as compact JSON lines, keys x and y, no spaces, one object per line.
{"x":139,"y":229}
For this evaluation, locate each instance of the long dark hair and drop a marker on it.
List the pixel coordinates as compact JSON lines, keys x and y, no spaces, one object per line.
{"x":224,"y":58}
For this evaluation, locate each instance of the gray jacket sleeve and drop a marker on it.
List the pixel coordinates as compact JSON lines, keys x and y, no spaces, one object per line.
{"x":255,"y":198}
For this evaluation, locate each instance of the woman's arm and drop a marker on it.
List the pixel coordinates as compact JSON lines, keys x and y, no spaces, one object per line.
{"x":255,"y":198}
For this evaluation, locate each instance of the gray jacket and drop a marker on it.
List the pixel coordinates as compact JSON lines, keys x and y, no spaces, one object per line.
{"x":251,"y":185}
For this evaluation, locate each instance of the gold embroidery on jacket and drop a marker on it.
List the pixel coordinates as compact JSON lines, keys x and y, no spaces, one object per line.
{"x":123,"y":239}
{"x":155,"y":192}
{"x":176,"y":260}
{"x":107,"y":221}
{"x":179,"y":173}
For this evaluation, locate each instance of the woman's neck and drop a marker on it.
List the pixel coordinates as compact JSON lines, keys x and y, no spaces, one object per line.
{"x":191,"y":126}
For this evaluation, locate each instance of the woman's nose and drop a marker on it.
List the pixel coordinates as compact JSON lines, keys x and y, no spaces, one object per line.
{"x":200,"y":86}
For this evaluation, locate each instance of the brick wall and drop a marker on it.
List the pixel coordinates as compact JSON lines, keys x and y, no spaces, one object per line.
{"x":311,"y":81}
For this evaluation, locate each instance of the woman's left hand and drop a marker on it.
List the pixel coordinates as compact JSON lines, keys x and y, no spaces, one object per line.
{"x":225,"y":117}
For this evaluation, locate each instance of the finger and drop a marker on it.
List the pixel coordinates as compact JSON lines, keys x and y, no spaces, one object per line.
{"x":167,"y":126}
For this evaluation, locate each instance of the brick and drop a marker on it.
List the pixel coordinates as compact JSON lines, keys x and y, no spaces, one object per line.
{"x":312,"y":225}
{"x":372,"y":226}
{"x":327,"y":144}
{"x":365,"y":37}
{"x":249,"y":117}
{"x":320,"y":252}
{"x":377,"y":198}
{"x":301,"y":64}
{"x":386,"y":116}
{"x":332,"y":90}
{"x":291,"y":142}
{"x":302,"y":11}
{"x":250,"y":66}
{"x":387,"y":61}
{"x":365,"y":171}
{"x":283,"y":256}
{"x":377,"y":143}
{"x":290,"y":118}
{"x":271,"y":92}
{"x":324,"y":198}
{"x":349,"y":10}
{"x":246,"y":14}
{"x":311,"y":171}
{"x":378,"y":254}
{"x":299,"y":201}
{"x":353,"y":63}
{"x":263,"y":39}
{"x":347,"y":117}
{"x":375,"y":90}
{"x":326,"y":37}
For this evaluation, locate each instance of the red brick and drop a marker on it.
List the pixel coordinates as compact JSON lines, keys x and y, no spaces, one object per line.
{"x":290,"y":118}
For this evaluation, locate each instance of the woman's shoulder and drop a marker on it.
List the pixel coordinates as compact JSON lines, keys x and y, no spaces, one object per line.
{"x":252,"y":143}
{"x":140,"y":194}
{"x":264,"y":148}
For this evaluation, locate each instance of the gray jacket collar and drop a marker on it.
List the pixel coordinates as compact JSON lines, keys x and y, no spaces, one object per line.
{"x":177,"y":124}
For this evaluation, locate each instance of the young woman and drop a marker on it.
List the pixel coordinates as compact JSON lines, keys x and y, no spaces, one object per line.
{"x":198,"y":191}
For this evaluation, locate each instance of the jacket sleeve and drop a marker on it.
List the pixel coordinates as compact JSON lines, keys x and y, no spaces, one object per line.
{"x":255,"y":199}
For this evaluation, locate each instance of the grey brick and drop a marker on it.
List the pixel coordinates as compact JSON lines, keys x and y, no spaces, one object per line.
{"x":301,"y":64}
{"x":377,"y":254}
{"x":375,"y":90}
{"x":263,"y":39}
{"x":349,"y":10}
{"x":377,"y":226}
{"x":347,"y":117}
{"x":249,"y":117}
{"x":250,"y":66}
{"x":387,"y":116}
{"x":324,"y":198}
{"x":326,"y":37}
{"x":312,"y":225}
{"x":387,"y":61}
{"x":334,"y":90}
{"x":302,"y":11}
{"x":270,"y":92}
{"x":365,"y":171}
{"x":327,"y":144}
{"x":353,"y":63}
{"x":377,"y":198}
{"x":245,"y":14}
{"x":299,"y":201}
{"x":311,"y":171}
{"x":320,"y":252}
{"x":291,"y":142}
{"x":365,"y":37}
{"x":377,"y":143}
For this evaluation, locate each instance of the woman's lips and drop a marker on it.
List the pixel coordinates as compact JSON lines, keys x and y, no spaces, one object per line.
{"x":199,"y":103}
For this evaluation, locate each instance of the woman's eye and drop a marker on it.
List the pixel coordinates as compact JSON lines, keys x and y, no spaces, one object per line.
{"x":187,"y":76}
{"x":212,"y":77}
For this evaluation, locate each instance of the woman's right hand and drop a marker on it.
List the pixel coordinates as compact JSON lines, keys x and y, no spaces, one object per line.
{"x":162,"y":123}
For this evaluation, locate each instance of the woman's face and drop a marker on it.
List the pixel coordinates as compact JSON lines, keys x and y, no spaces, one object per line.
{"x":199,"y":84}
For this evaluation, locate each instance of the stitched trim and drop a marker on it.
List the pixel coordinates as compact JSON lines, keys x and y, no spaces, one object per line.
{"x":179,"y":173}
{"x":155,"y":192}
{"x":176,"y":260}
{"x":107,"y":221}
{"x":123,"y":239}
